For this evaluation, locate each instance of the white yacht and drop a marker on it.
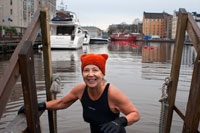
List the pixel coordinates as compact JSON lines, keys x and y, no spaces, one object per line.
{"x":66,"y":32}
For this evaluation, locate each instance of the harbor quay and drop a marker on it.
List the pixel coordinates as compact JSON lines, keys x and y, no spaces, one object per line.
{"x":9,"y":46}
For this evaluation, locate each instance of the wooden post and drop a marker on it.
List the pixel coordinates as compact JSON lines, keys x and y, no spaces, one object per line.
{"x":194,"y":32}
{"x":26,"y":66}
{"x":47,"y":64}
{"x":192,"y":115}
{"x":175,"y":69}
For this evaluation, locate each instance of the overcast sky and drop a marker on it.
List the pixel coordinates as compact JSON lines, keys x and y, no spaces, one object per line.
{"x":102,"y":13}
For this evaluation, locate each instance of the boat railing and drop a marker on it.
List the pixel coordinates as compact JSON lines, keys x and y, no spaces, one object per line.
{"x":21,"y":65}
{"x":192,"y":115}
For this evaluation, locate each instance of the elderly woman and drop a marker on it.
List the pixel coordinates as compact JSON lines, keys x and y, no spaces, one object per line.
{"x":101,"y":101}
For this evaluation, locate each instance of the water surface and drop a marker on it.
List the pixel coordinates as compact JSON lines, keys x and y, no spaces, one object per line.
{"x":138,"y":71}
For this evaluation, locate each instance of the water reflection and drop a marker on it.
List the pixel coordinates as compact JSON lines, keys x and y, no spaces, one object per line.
{"x":125,"y":46}
{"x":189,"y":55}
{"x":156,"y":52}
{"x":163,"y":52}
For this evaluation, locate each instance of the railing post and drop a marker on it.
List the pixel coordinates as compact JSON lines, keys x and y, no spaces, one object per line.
{"x":11,"y":73}
{"x":192,"y":115}
{"x":26,"y":66}
{"x":47,"y":64}
{"x":175,"y":68}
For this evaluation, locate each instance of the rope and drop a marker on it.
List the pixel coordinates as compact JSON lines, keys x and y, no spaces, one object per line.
{"x":164,"y":104}
{"x":56,"y":85}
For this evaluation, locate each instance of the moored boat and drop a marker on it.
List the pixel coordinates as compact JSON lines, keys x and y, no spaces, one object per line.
{"x":66,"y":32}
{"x":122,"y":37}
{"x":98,"y":41}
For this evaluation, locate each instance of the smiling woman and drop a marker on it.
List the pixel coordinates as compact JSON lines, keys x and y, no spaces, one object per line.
{"x":101,"y":101}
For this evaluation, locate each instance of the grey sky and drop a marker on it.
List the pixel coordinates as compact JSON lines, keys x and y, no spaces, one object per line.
{"x":102,"y":13}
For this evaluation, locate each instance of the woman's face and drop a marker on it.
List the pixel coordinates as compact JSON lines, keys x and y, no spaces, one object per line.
{"x":92,"y":76}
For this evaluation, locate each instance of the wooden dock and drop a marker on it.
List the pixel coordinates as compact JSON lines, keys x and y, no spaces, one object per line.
{"x":9,"y":46}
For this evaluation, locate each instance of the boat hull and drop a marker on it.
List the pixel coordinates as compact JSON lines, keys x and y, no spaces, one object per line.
{"x":123,"y":37}
{"x":65,"y":42}
{"x":98,"y":41}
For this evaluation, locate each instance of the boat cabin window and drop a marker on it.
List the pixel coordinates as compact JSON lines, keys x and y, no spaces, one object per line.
{"x":65,"y":30}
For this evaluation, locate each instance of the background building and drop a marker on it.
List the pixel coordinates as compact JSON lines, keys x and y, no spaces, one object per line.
{"x":93,"y":31}
{"x":17,"y":14}
{"x":196,"y":17}
{"x":123,"y":27}
{"x":157,"y":24}
{"x":174,"y":24}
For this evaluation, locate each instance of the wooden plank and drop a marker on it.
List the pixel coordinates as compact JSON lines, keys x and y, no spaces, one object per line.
{"x":26,"y":65}
{"x":11,"y":73}
{"x":194,"y":32}
{"x":192,"y":115}
{"x":175,"y":68}
{"x":179,"y":113}
{"x":44,"y":18}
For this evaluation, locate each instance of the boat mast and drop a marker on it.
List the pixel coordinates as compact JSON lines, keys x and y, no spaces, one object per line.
{"x":62,"y":6}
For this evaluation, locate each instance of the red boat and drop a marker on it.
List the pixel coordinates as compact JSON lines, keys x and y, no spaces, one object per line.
{"x":123,"y":37}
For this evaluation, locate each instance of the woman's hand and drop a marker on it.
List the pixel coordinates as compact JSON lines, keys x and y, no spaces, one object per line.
{"x":41,"y":107}
{"x":116,"y":126}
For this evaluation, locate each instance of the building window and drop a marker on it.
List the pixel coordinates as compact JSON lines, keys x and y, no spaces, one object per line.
{"x":10,"y":2}
{"x":11,"y":11}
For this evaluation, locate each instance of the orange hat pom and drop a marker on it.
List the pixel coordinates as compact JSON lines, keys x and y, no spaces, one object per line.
{"x":94,"y":59}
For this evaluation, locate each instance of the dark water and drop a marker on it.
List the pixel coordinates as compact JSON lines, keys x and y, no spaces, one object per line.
{"x":137,"y":70}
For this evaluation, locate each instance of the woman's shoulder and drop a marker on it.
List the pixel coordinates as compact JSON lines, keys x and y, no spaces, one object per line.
{"x":114,"y":92}
{"x":78,"y":89}
{"x":113,"y":89}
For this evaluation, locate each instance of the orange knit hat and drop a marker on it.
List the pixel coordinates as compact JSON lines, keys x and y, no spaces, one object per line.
{"x":94,"y":59}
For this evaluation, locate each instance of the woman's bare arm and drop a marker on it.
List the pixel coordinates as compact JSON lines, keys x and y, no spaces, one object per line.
{"x":124,"y":105}
{"x":68,"y":100}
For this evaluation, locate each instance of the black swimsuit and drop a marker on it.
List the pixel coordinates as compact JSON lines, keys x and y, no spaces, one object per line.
{"x":97,"y":112}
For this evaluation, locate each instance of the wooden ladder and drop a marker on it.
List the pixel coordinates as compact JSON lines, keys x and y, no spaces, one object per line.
{"x":21,"y":63}
{"x":192,"y":114}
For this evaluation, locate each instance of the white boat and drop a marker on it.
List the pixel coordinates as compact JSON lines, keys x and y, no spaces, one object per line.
{"x":66,"y":32}
{"x":87,"y":38}
{"x":98,"y":41}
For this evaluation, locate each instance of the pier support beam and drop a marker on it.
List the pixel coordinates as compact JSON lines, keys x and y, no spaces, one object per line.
{"x":175,"y":69}
{"x":26,"y":66}
{"x":44,"y":17}
{"x":192,"y":115}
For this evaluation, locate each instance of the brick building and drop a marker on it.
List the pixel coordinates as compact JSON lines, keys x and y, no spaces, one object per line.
{"x":157,"y":24}
{"x":18,"y":13}
{"x":196,"y":17}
